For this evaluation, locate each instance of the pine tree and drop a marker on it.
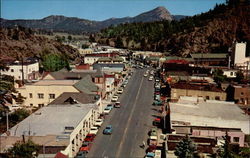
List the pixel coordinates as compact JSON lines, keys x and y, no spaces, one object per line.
{"x":185,"y":148}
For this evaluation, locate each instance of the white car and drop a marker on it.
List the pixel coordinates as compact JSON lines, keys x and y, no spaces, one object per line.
{"x":120,"y":91}
{"x":150,"y":78}
{"x":98,"y":122}
{"x":93,"y":130}
{"x":145,"y":75}
{"x":106,"y":110}
{"x":114,"y":98}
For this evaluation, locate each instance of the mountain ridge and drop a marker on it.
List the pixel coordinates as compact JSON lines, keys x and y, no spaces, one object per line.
{"x":63,"y":23}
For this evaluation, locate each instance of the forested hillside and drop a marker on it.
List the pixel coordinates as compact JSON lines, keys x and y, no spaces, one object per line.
{"x":210,"y":32}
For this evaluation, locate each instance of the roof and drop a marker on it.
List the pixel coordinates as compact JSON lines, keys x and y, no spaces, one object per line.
{"x":104,"y":59}
{"x":110,"y":65}
{"x":196,"y":85}
{"x":101,"y":55}
{"x":69,"y":97}
{"x":52,"y":120}
{"x":209,"y":113}
{"x":86,"y":85}
{"x":54,"y":82}
{"x":209,"y":55}
{"x":62,"y":75}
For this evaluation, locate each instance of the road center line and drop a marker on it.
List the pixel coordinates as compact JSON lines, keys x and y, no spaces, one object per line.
{"x":129,"y":120}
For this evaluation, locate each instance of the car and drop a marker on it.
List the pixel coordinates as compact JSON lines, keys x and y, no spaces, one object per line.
{"x":110,"y":106}
{"x":153,"y":132}
{"x":150,"y":78}
{"x":145,"y":75}
{"x":86,"y":146}
{"x":123,"y":85}
{"x":106,"y":110}
{"x":81,"y":154}
{"x":150,"y":155}
{"x":117,"y":105}
{"x":108,"y":130}
{"x":89,"y":138}
{"x":120,"y":91}
{"x":93,"y":130}
{"x":114,"y":98}
{"x":125,"y":82}
{"x":98,"y":122}
{"x":157,"y":80}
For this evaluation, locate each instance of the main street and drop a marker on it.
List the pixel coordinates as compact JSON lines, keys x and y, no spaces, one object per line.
{"x":130,"y":123}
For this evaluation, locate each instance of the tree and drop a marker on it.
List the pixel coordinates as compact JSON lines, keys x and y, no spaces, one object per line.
{"x":24,"y":150}
{"x":69,"y":37}
{"x":185,"y":148}
{"x":225,"y":151}
{"x":54,"y":62}
{"x":218,"y":76}
{"x":19,"y":115}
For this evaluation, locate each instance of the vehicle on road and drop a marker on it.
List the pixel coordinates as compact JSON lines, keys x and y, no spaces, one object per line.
{"x":157,"y":153}
{"x":110,"y":106}
{"x":117,"y":105}
{"x":123,"y":85}
{"x":114,"y":98}
{"x":153,"y":140}
{"x":120,"y":91}
{"x":89,"y":138}
{"x":157,"y":102}
{"x":81,"y":154}
{"x":93,"y":130}
{"x":157,"y":121}
{"x":145,"y":75}
{"x":150,"y":155}
{"x":86,"y":146}
{"x":108,"y":130}
{"x":153,"y":132}
{"x":106,"y":110}
{"x":150,"y":78}
{"x":98,"y":122}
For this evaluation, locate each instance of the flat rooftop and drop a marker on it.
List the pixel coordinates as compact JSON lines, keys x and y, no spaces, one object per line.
{"x":210,"y":113}
{"x":55,"y":82}
{"x":52,"y":120}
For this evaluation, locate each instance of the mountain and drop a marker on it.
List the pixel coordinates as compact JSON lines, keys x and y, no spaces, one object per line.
{"x":22,"y":41}
{"x":76,"y":25}
{"x":210,"y":32}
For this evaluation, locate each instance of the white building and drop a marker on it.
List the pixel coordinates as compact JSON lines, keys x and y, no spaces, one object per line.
{"x":61,"y":128}
{"x":240,"y":59}
{"x":197,"y":112}
{"x":30,"y":70}
{"x":230,"y":73}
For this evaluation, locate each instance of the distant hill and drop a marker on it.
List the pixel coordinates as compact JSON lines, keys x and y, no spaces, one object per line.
{"x":21,"y":41}
{"x":210,"y":32}
{"x":77,"y":25}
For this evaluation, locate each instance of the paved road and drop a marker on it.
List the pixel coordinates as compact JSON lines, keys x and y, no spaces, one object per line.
{"x":131,"y":122}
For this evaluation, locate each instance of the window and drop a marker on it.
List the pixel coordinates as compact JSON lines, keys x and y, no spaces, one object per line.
{"x":40,"y":95}
{"x":242,"y":93}
{"x":217,"y":98}
{"x":231,"y":73}
{"x":52,"y":96}
{"x":31,"y":104}
{"x":20,"y":70}
{"x":31,"y":96}
{"x":207,"y":97}
{"x":40,"y":105}
{"x":12,"y":70}
{"x":236,"y":139}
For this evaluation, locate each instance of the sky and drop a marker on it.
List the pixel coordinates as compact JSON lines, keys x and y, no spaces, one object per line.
{"x":99,"y":9}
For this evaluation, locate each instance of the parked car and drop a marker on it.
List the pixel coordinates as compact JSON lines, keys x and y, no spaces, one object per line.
{"x":110,"y":106}
{"x":145,"y":75}
{"x":98,"y":122}
{"x":106,"y":110}
{"x":150,"y":155}
{"x":157,"y":102}
{"x":86,"y":146}
{"x":153,"y":132}
{"x":117,"y":105}
{"x":93,"y":130}
{"x":89,"y":138}
{"x":120,"y":91}
{"x":157,"y":121}
{"x":150,"y":78}
{"x":153,"y":140}
{"x":123,"y":85}
{"x":114,"y":98}
{"x":81,"y":154}
{"x":108,"y":130}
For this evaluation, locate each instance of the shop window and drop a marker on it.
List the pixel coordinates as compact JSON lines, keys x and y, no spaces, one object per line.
{"x":236,"y":139}
{"x":52,"y":96}
{"x":217,"y":98}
